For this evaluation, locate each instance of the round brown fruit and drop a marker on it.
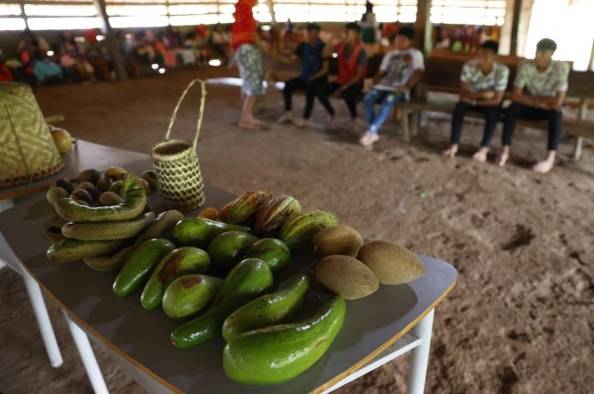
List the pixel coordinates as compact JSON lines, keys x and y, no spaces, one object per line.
{"x":391,"y":263}
{"x":209,"y":213}
{"x":116,"y":173}
{"x":65,"y":184}
{"x":340,"y":239}
{"x":103,"y":183}
{"x":346,"y":276}
{"x":109,"y":198}
{"x":91,"y":175}
{"x":82,"y":196}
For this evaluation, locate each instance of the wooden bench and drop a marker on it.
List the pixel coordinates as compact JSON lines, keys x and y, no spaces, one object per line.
{"x":442,"y":75}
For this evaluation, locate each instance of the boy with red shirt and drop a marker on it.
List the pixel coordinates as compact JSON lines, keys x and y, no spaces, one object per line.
{"x":352,"y":62}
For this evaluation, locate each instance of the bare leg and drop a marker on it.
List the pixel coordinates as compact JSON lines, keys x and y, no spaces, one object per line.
{"x":547,"y":164}
{"x":503,"y":156}
{"x":451,"y":151}
{"x":247,"y":120}
{"x":481,"y":154}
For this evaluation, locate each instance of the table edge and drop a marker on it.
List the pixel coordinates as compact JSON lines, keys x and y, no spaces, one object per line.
{"x":358,"y":365}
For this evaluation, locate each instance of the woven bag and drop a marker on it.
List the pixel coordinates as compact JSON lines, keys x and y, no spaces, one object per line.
{"x":27,"y":150}
{"x":176,"y":163}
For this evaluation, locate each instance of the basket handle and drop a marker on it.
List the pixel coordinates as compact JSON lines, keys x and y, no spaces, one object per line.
{"x":200,"y":114}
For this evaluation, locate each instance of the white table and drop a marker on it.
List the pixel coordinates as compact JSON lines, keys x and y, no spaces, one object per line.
{"x":377,"y":329}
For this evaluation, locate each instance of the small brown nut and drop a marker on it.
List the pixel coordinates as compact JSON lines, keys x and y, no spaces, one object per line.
{"x":116,"y":173}
{"x":146,"y":185}
{"x":65,"y":184}
{"x":82,"y":195}
{"x":90,"y":175}
{"x":109,"y":198}
{"x":103,"y":183}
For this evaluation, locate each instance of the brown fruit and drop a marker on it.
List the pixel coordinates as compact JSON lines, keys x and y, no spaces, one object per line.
{"x":275,"y":212}
{"x":103,"y":183}
{"x":209,"y":213}
{"x":146,"y":185}
{"x":391,"y":263}
{"x":346,"y":276}
{"x":151,"y":177}
{"x":90,"y":175}
{"x":65,"y":184}
{"x":116,"y":173}
{"x":88,"y":186}
{"x":341,"y":239}
{"x":82,"y":196}
{"x":109,"y":198}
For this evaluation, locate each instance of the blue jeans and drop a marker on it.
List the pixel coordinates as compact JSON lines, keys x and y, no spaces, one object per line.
{"x":387,"y":101}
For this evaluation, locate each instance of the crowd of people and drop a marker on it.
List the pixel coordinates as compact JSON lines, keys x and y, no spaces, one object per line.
{"x":86,"y":57}
{"x":339,"y":70}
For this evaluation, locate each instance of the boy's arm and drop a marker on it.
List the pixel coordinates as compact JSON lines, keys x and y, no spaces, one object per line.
{"x":414,"y":78}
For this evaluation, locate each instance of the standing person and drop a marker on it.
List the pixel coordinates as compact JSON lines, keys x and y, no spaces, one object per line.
{"x":244,"y":42}
{"x":312,"y":76}
{"x":369,"y":25}
{"x":539,"y":90}
{"x":482,"y":86}
{"x":399,"y":71}
{"x":352,"y":62}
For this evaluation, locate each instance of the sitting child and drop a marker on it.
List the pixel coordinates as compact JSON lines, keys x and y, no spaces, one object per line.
{"x":483,"y":83}
{"x":539,"y":90}
{"x":400,"y":70}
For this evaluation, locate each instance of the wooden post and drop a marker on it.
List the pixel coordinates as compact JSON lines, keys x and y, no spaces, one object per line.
{"x":423,"y":27}
{"x":579,"y":142}
{"x":515,"y":29}
{"x":271,"y":10}
{"x":111,"y":40}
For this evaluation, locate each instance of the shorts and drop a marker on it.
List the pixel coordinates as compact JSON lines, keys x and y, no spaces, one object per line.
{"x":249,"y":61}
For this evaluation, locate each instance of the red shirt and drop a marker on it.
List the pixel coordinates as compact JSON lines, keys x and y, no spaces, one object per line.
{"x":348,"y":66}
{"x":244,"y":27}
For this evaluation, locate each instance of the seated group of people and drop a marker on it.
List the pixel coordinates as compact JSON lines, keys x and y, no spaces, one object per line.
{"x":538,"y":90}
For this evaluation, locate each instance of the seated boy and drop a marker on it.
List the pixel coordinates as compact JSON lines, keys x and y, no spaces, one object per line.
{"x":539,"y":90}
{"x":311,"y":78}
{"x":399,"y":71}
{"x":483,"y":83}
{"x":352,"y":62}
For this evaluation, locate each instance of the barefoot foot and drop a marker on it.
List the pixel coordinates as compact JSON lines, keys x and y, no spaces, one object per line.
{"x":481,"y":155}
{"x":451,"y":151}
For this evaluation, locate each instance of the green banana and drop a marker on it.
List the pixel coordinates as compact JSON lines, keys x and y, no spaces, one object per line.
{"x":68,"y":250}
{"x":107,"y":230}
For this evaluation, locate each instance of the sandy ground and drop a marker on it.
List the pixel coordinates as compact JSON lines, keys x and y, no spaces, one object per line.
{"x":521,"y":317}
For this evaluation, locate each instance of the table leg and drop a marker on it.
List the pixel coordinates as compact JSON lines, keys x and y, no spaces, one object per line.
{"x":43,"y":320}
{"x":87,"y":356}
{"x":420,"y":355}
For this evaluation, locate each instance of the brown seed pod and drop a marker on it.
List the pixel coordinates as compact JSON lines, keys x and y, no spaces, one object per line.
{"x":65,"y":184}
{"x":82,"y":195}
{"x":90,"y":175}
{"x":103,"y":183}
{"x":209,"y":213}
{"x":109,"y":198}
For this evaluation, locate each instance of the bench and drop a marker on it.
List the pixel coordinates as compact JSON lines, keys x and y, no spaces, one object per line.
{"x":442,"y":75}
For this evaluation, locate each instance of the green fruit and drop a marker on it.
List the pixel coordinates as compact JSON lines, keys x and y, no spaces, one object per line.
{"x":108,"y":230}
{"x":189,"y":294}
{"x":279,"y":353}
{"x":246,"y":281}
{"x":298,"y":231}
{"x":185,"y":260}
{"x":163,"y":223}
{"x":54,"y":193}
{"x":199,"y":232}
{"x":139,"y":265}
{"x":74,"y":249}
{"x":272,"y":251}
{"x":133,"y":203}
{"x":267,"y":310}
{"x":245,"y":207}
{"x":275,"y":212}
{"x":109,"y":262}
{"x":228,"y":249}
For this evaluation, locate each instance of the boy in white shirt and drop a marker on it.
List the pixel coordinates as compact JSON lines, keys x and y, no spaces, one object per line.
{"x":400,"y":70}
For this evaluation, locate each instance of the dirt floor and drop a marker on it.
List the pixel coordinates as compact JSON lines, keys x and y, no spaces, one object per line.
{"x":520,"y":319}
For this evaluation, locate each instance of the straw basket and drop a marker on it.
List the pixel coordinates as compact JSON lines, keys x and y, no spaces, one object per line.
{"x":176,"y":163}
{"x":27,"y":150}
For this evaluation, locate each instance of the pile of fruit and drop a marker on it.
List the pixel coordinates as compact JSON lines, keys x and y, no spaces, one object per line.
{"x":217,"y":272}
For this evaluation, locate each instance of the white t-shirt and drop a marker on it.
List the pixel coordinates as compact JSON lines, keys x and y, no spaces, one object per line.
{"x":399,"y":67}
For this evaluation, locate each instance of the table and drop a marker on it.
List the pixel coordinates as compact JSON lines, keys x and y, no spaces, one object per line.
{"x":379,"y":328}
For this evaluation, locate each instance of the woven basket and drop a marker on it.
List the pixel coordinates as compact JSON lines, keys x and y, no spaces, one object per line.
{"x":27,"y":150}
{"x":176,"y":163}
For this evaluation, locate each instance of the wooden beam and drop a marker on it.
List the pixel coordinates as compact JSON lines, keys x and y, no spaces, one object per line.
{"x":423,"y":27}
{"x":515,"y":29}
{"x":111,"y":40}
